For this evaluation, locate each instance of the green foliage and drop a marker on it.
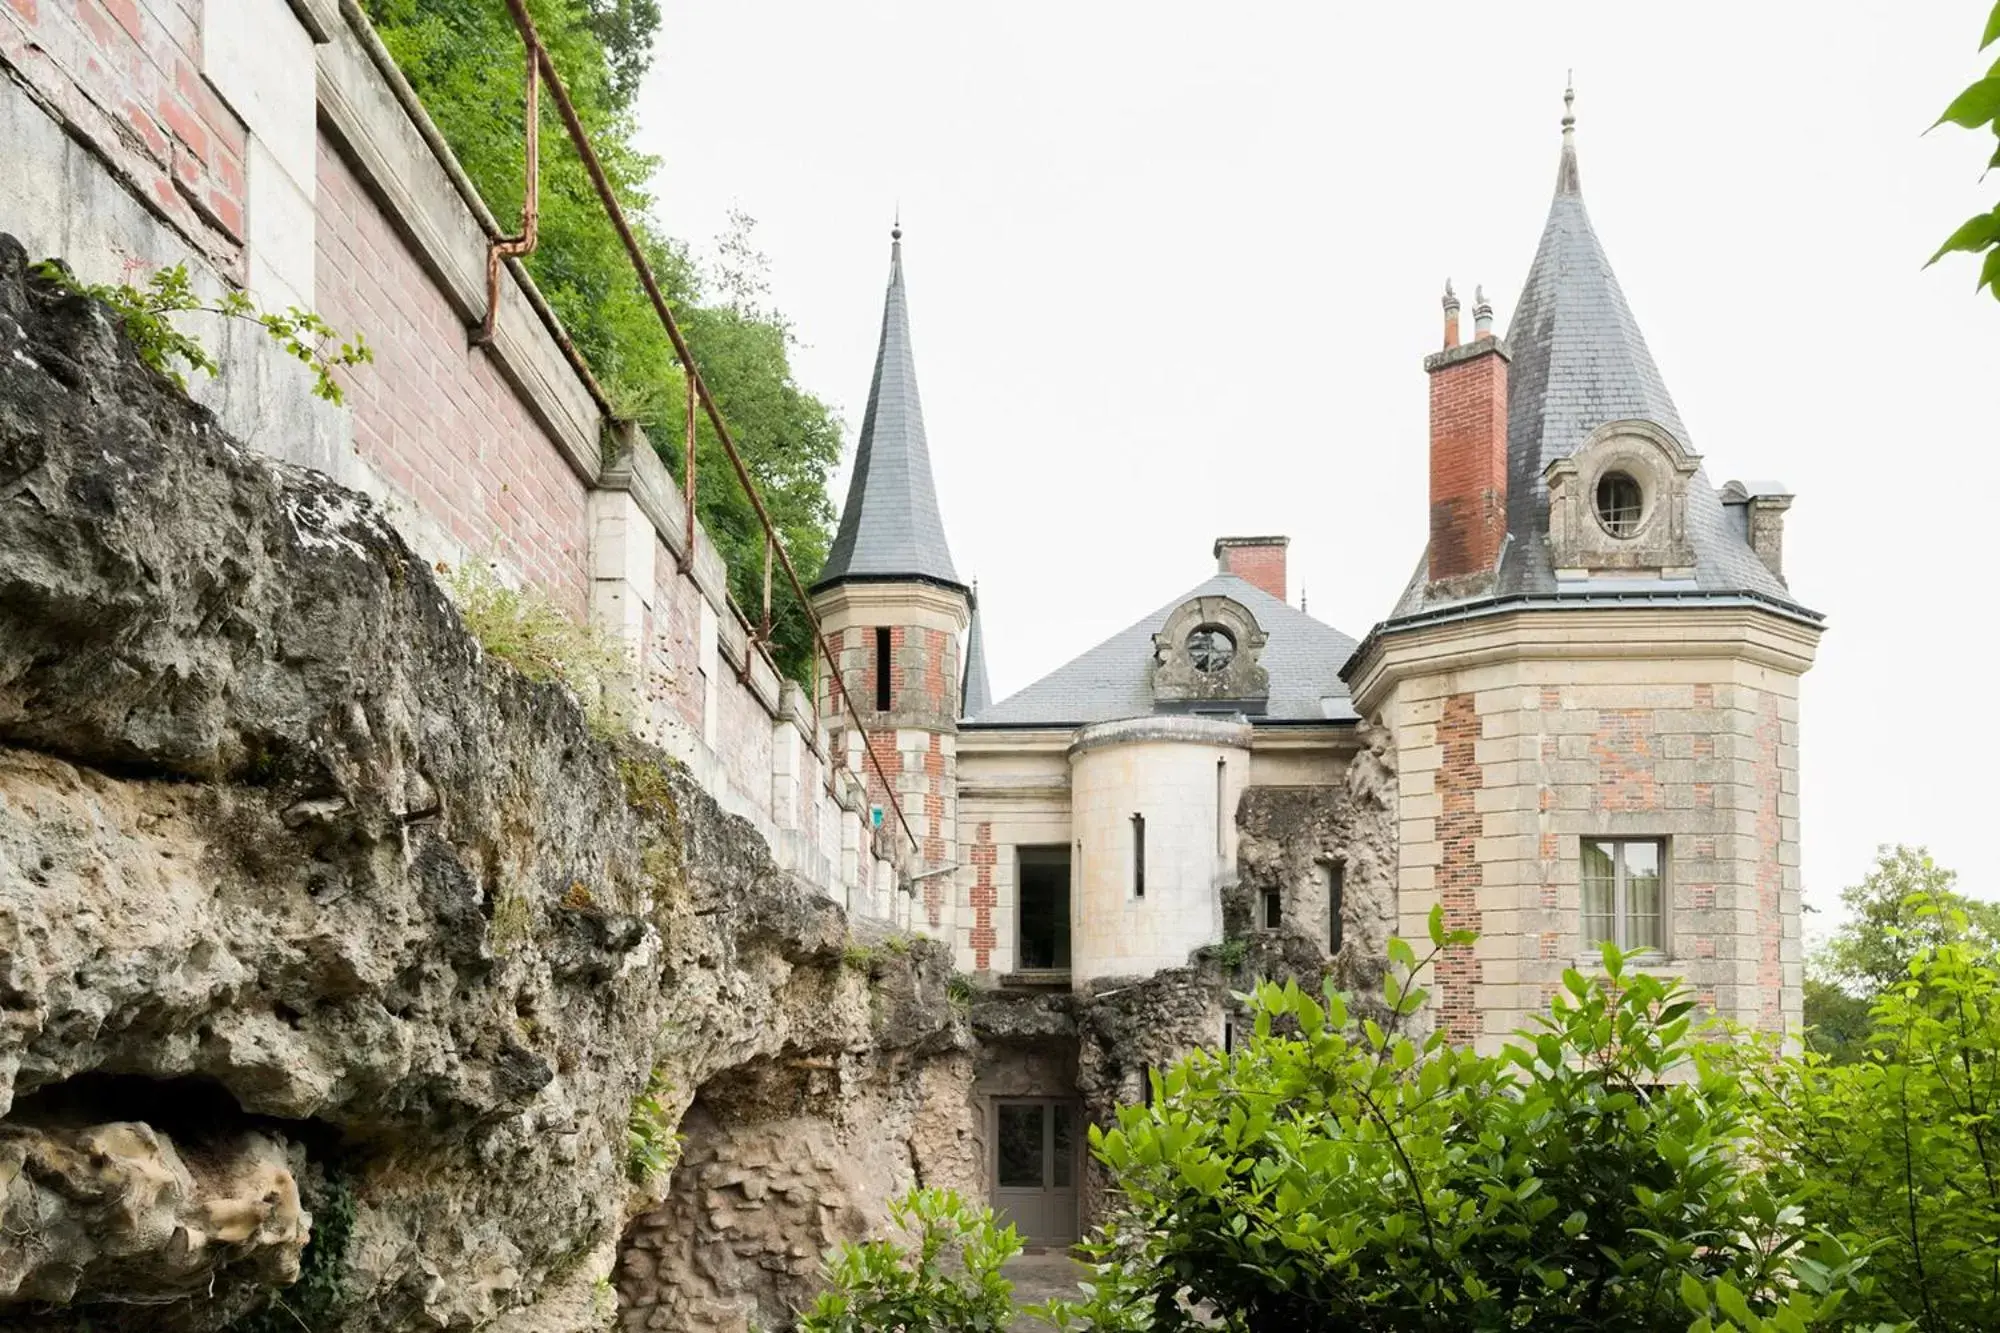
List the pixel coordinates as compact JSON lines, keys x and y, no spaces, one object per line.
{"x":1328,"y":1174}
{"x":947,"y":1280}
{"x":1232,"y":953}
{"x":147,"y":312}
{"x":312,"y":1304}
{"x":652,"y":1144}
{"x":464,"y":59}
{"x":534,"y":635}
{"x":958,"y":993}
{"x":1978,"y":108}
{"x":1837,"y":1020}
{"x":1901,"y":1147}
{"x":1905,"y":906}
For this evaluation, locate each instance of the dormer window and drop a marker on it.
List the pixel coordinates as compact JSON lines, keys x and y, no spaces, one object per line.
{"x":1205,"y":659}
{"x":1211,"y":648}
{"x":1621,"y":505}
{"x":1618,"y":505}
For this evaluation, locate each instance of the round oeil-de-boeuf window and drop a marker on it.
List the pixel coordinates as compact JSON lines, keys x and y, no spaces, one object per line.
{"x":1621,"y":504}
{"x":1211,"y":648}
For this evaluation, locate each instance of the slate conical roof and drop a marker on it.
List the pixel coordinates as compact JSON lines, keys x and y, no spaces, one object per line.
{"x":976,"y":696}
{"x":1579,"y":357}
{"x":890,"y":527}
{"x":1578,"y":362}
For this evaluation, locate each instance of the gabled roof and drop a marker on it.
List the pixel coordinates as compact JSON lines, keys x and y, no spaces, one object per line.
{"x":1580,"y":361}
{"x":1114,"y":679}
{"x":976,"y":695}
{"x":890,"y":527}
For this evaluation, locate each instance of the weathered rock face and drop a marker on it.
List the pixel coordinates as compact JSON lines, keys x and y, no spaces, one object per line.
{"x":784,"y":1160}
{"x":310,"y":911}
{"x":1284,"y":835}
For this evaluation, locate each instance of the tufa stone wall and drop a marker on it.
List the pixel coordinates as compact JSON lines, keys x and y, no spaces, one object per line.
{"x":328,"y":944}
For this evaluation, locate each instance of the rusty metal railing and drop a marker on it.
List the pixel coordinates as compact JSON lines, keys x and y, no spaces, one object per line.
{"x":541,"y":71}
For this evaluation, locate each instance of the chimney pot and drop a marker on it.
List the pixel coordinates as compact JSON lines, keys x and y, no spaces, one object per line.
{"x":1450,"y":316}
{"x":1256,"y":560}
{"x":1482,"y":314}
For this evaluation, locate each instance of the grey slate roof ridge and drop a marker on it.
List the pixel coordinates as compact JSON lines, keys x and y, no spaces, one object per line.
{"x":890,"y":526}
{"x":1114,"y":679}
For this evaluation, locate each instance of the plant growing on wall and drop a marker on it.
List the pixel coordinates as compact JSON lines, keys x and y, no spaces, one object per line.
{"x":652,"y":1144}
{"x":147,"y":314}
{"x":524,"y":628}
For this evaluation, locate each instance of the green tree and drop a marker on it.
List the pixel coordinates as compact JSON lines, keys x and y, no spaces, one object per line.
{"x":1978,"y":108}
{"x":1902,"y":1147}
{"x":1906,"y":904}
{"x":465,"y":61}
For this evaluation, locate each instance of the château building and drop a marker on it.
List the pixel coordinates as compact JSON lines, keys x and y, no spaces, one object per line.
{"x":1578,"y":723}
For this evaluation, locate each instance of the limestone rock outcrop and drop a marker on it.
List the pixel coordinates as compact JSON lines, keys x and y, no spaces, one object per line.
{"x":302,"y":895}
{"x":120,"y":1206}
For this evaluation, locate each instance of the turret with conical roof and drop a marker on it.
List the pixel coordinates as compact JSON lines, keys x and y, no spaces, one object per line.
{"x":1595,"y":717}
{"x":890,"y":527}
{"x":891,"y":603}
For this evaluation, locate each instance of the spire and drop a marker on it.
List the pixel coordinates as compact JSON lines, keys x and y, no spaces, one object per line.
{"x":1567,"y":181}
{"x":976,"y":696}
{"x":1579,"y":357}
{"x":890,"y":527}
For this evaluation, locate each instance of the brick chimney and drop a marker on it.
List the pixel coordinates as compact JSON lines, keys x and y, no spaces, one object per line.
{"x":1468,"y":445}
{"x":1258,"y":560}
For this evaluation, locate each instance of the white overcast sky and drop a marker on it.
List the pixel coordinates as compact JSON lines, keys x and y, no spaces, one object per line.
{"x":1173,"y":267}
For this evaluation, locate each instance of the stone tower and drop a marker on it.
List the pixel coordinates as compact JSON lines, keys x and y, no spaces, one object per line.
{"x":893,"y":608}
{"x":1591,"y":685}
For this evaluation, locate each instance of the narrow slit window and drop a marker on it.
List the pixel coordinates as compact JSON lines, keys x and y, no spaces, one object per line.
{"x":1138,"y":856}
{"x":1336,"y":889}
{"x":1274,"y":909}
{"x":1221,"y":805}
{"x":882,"y":668}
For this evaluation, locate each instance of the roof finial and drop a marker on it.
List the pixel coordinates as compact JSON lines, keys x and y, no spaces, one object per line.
{"x":1569,"y":104}
{"x":896,"y":227}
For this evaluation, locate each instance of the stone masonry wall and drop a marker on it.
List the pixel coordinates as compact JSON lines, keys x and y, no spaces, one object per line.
{"x":127,"y":74}
{"x":1506,"y":768}
{"x":433,"y":415}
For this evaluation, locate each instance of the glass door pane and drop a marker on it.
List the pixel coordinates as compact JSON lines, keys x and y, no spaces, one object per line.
{"x":1021,"y":1146}
{"x":1063,"y":1162}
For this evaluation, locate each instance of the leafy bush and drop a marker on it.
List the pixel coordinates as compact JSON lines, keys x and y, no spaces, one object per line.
{"x":1901,"y":1146}
{"x":947,"y":1280}
{"x":1595,"y":1175}
{"x":1610,"y":1171}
